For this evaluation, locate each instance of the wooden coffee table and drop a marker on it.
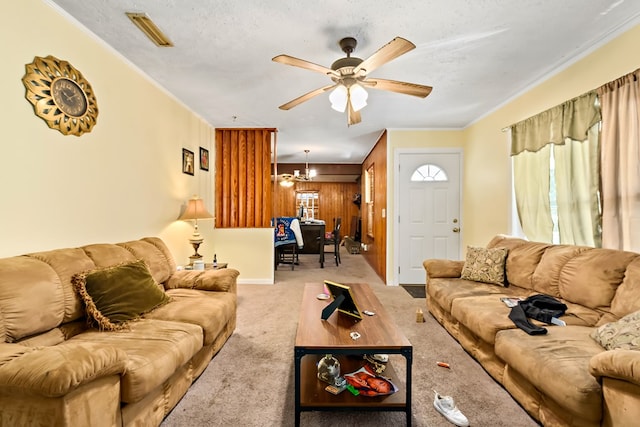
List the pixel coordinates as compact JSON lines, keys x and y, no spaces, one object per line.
{"x":315,"y":337}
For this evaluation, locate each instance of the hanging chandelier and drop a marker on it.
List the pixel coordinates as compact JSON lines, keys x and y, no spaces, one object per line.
{"x":309,"y":174}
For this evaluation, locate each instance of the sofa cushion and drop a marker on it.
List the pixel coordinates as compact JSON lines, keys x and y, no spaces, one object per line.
{"x":624,"y":334}
{"x":106,"y":254}
{"x":445,"y":291}
{"x":627,"y":298}
{"x":485,"y":265}
{"x":155,"y":349}
{"x":57,"y":370}
{"x":557,"y":364}
{"x":523,"y":259}
{"x":155,"y":254}
{"x":31,"y":297}
{"x":545,"y":279}
{"x":483,"y":315}
{"x":592,"y":277}
{"x":212,"y":311}
{"x":115,"y":295}
{"x":486,"y":315}
{"x":66,"y":263}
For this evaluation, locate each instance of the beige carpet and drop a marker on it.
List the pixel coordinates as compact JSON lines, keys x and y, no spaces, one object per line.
{"x":250,"y":381}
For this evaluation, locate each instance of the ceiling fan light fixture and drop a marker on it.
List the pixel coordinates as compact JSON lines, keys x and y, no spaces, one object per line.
{"x":358,"y":97}
{"x":350,"y":74}
{"x":338,"y":98}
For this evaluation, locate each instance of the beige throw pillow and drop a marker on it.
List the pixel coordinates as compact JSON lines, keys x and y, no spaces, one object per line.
{"x":485,"y":265}
{"x":623,"y":334}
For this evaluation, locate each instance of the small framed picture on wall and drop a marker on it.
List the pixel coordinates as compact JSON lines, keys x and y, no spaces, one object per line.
{"x":188,"y":162}
{"x":204,"y":159}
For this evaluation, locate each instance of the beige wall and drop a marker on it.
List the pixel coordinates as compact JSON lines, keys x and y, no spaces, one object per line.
{"x":120,"y":182}
{"x":486,"y":208}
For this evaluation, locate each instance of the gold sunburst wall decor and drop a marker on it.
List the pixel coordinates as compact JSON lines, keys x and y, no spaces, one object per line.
{"x":60,"y":95}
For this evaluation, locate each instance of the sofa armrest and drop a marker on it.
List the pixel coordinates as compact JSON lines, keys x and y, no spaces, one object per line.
{"x":443,"y":267}
{"x":619,"y":364}
{"x":57,"y":370}
{"x":223,"y":280}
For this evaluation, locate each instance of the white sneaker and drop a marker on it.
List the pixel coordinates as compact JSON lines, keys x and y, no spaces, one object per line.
{"x":447,"y":407}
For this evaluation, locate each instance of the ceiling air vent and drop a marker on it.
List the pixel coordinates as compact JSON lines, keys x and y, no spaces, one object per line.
{"x":148,"y":27}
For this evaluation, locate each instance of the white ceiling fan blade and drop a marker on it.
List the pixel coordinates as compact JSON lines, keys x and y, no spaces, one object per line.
{"x":301,"y":63}
{"x":396,"y":47}
{"x":307,"y":96}
{"x":413,"y":89}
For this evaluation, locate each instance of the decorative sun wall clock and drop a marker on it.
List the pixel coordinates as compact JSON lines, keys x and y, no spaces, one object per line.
{"x":60,"y":95}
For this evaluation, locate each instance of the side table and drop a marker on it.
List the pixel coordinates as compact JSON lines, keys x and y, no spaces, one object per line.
{"x":220,"y":266}
{"x":209,"y":266}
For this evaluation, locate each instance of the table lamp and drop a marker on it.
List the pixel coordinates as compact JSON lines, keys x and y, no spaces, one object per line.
{"x":195,"y":210}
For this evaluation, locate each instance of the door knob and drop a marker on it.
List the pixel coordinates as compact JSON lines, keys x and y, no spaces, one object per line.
{"x":456,"y":230}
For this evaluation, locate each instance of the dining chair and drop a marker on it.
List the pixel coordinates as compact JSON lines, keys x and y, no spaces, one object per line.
{"x":333,"y":239}
{"x":287,"y":240}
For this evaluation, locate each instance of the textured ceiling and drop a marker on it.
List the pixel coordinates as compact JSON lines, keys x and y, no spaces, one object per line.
{"x":476,"y":54}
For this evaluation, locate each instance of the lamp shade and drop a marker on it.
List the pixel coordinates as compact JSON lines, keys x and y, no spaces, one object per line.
{"x":338,"y":98}
{"x":195,"y":210}
{"x":358,"y":97}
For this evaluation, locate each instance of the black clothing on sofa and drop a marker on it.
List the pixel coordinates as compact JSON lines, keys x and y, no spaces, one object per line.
{"x":540,"y":307}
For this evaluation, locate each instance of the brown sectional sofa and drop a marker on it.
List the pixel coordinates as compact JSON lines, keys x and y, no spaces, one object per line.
{"x":562,"y":378}
{"x":57,"y":371}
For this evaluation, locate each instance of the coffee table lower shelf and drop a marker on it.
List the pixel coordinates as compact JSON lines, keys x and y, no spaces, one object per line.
{"x":312,"y":395}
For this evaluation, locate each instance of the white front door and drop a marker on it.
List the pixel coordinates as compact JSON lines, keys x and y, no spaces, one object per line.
{"x":428,"y":220}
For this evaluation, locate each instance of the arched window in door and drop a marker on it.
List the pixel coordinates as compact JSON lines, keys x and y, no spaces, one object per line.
{"x":429,"y":172}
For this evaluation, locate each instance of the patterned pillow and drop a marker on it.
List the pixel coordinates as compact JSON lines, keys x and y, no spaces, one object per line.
{"x":624,"y":334}
{"x":115,"y":295}
{"x":485,"y":265}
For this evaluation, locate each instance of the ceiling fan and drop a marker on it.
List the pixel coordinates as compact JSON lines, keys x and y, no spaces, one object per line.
{"x":287,"y":180}
{"x":349,"y":76}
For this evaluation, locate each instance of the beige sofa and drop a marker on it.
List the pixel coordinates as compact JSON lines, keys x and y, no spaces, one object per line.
{"x":563,"y":377}
{"x":56,"y":371}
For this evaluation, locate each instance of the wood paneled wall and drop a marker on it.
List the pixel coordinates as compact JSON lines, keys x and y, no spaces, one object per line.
{"x":243,"y":185}
{"x":376,"y":255}
{"x":335,"y":198}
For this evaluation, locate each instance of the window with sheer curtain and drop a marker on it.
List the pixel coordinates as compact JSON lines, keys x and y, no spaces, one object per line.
{"x":556,"y":169}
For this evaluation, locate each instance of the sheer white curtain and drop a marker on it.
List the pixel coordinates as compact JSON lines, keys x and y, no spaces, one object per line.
{"x":620,"y":100}
{"x":531,"y":184}
{"x":579,"y":219}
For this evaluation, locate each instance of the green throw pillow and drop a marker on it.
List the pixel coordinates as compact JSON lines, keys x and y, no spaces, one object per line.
{"x":115,"y":295}
{"x":485,"y":265}
{"x":623,"y":334}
